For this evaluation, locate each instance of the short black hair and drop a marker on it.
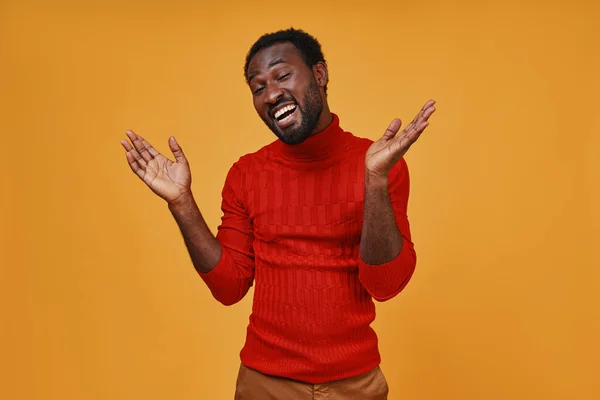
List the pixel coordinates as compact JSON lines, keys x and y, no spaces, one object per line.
{"x":308,"y":46}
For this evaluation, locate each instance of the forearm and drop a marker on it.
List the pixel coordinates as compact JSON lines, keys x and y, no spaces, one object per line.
{"x":203,"y":247}
{"x":380,"y":240}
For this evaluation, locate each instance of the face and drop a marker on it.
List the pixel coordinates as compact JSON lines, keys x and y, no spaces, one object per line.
{"x":287,"y":94}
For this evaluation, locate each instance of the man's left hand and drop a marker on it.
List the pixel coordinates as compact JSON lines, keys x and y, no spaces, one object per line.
{"x":387,"y":151}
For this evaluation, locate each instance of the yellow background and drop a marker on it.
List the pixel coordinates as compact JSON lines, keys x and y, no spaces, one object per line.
{"x":98,"y":298}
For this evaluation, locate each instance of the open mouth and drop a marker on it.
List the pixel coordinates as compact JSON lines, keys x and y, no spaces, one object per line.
{"x":285,"y":115}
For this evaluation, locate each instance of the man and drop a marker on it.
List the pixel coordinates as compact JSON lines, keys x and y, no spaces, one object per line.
{"x":315,"y":220}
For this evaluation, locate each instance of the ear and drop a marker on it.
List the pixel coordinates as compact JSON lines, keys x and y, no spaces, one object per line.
{"x":321,"y":74}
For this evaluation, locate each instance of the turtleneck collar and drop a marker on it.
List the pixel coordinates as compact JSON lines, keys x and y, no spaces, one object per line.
{"x":319,"y":146}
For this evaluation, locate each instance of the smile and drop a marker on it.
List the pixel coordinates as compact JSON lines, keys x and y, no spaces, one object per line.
{"x":285,"y":112}
{"x":285,"y":115}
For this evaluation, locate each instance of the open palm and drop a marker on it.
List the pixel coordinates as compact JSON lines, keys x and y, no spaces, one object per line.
{"x":387,"y":151}
{"x":168,"y":179}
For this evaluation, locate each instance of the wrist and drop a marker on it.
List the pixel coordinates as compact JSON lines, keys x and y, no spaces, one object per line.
{"x":375,"y":179}
{"x":183,"y":202}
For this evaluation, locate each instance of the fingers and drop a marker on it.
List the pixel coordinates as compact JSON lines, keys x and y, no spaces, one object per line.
{"x":143,"y":148}
{"x":425,"y":113}
{"x":177,"y":151}
{"x":140,"y":153}
{"x":151,"y":150}
{"x":133,"y":164}
{"x":429,"y":104}
{"x":418,"y":125}
{"x":135,"y":156}
{"x":392,"y":129}
{"x":413,"y":130}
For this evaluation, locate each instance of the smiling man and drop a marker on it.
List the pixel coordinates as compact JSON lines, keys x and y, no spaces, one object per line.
{"x":316,"y":221}
{"x":295,"y":109}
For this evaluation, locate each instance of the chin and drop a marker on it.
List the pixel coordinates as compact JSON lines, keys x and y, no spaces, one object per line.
{"x":292,"y":136}
{"x":292,"y":140}
{"x":289,"y":135}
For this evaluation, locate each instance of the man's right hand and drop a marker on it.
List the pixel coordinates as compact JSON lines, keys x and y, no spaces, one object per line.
{"x":170,"y":180}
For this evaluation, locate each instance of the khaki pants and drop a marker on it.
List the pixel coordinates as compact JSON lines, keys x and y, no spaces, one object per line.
{"x":252,"y":385}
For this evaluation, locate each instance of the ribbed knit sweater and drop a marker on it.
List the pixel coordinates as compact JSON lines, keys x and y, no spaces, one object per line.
{"x":291,"y":225}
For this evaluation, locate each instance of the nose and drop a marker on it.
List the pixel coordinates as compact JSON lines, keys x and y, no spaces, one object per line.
{"x":274,"y":93}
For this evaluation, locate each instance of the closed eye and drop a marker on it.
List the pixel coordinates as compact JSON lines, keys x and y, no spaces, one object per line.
{"x":258,"y":90}
{"x":282,"y":77}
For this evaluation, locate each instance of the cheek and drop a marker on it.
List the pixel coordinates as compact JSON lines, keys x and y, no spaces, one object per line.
{"x":260,"y":108}
{"x":297,"y":88}
{"x":257,"y":104}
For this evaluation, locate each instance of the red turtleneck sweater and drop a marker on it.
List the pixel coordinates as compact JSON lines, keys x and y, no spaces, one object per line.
{"x":292,"y":224}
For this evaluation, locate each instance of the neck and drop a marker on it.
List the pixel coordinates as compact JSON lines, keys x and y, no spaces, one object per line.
{"x":325,"y":120}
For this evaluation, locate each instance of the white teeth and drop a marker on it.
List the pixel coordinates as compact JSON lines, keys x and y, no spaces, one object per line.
{"x":285,"y":119}
{"x":284,"y":109}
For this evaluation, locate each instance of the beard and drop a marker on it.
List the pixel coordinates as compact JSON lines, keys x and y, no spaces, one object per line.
{"x":310,"y":112}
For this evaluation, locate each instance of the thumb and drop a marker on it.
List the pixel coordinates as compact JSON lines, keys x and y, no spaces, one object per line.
{"x":177,"y":151}
{"x":392,"y":129}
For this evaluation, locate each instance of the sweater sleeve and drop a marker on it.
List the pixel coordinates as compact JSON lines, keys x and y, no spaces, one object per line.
{"x":233,"y":275}
{"x":385,"y":281}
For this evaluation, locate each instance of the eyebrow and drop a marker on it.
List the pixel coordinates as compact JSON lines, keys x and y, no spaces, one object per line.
{"x":271,"y":65}
{"x":275,"y":62}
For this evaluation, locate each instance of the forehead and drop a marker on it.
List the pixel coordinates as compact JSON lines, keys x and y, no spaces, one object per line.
{"x":268,"y":57}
